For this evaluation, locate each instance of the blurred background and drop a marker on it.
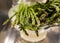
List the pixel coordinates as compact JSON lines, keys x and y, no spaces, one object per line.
{"x":5,"y":5}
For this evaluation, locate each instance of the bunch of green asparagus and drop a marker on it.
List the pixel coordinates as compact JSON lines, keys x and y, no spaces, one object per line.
{"x":37,"y":15}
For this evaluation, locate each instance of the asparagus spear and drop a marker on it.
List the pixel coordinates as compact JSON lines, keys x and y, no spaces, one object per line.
{"x":9,"y":19}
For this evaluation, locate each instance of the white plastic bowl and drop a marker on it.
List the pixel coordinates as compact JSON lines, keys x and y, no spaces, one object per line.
{"x":32,"y":36}
{"x":31,"y":1}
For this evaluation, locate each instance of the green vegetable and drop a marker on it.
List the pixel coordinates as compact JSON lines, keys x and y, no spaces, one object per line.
{"x":32,"y":17}
{"x":37,"y":15}
{"x":9,"y":19}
